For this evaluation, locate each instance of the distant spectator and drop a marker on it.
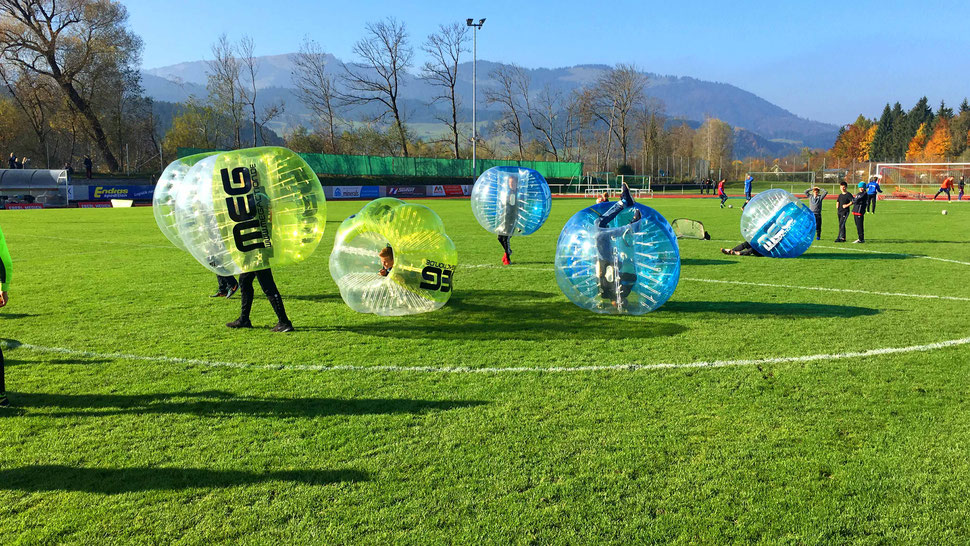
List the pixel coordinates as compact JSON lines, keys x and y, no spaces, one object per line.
{"x":12,"y":161}
{"x":20,"y":163}
{"x":960,"y":185}
{"x":69,"y":168}
{"x":26,"y":163}
{"x":816,"y":196}
{"x":87,"y":166}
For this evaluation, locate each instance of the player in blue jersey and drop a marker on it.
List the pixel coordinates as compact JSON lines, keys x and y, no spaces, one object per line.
{"x":872,"y":191}
{"x":747,"y":188}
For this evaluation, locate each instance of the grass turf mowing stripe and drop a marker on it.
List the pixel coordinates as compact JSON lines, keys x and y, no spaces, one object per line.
{"x":494,"y":370}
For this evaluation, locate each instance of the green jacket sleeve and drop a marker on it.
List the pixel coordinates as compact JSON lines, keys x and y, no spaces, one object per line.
{"x":6,"y":273}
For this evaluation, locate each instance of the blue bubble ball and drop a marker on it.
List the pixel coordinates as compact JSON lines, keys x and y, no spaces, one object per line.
{"x":624,"y":268}
{"x":511,"y":200}
{"x":778,"y":225}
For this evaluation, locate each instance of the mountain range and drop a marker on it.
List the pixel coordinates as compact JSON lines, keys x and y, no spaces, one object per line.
{"x":761,"y":128}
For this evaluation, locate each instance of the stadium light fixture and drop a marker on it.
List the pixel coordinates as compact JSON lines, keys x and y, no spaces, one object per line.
{"x":475,"y":26}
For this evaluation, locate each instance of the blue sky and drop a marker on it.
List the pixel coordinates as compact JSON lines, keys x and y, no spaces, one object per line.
{"x":827,"y":60}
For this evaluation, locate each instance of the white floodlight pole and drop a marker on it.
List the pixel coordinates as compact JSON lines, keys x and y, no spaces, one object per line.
{"x":475,"y":27}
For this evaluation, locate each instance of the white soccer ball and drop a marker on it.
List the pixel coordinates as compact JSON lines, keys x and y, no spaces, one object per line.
{"x":944,"y":213}
{"x":730,"y":206}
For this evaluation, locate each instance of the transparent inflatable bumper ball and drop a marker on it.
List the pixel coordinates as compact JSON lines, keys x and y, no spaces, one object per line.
{"x":163,"y":198}
{"x":511,"y":200}
{"x":422,"y":276}
{"x":777,"y":224}
{"x":250,"y":209}
{"x":623,"y":268}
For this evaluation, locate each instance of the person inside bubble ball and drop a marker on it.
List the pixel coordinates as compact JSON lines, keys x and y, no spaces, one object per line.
{"x":743,"y":249}
{"x":387,"y":260}
{"x":508,"y":224}
{"x":610,"y":278}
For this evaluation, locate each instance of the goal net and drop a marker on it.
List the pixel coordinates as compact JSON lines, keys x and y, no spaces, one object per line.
{"x":639,"y":184}
{"x":799,"y":177}
{"x":919,"y":180}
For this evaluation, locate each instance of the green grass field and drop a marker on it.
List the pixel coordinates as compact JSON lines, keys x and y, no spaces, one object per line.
{"x":139,"y":418}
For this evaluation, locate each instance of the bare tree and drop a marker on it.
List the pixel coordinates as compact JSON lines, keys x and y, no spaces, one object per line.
{"x":316,"y":88}
{"x":618,"y":94}
{"x":445,"y":48}
{"x":249,"y":89}
{"x":511,"y":84}
{"x":386,"y":55}
{"x":62,"y":40}
{"x":224,"y":85}
{"x":35,"y":97}
{"x":544,"y":115}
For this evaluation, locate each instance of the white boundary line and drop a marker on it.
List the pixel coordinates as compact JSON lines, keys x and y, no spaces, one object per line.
{"x":763,"y":285}
{"x":867,"y":251}
{"x":493,"y":370}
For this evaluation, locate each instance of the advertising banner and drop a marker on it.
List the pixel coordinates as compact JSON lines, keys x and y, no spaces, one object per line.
{"x":355,"y":192}
{"x":23,"y":206}
{"x":453,"y":190}
{"x":94,"y":204}
{"x":437,"y":191}
{"x":104,"y":193}
{"x":406,"y":191}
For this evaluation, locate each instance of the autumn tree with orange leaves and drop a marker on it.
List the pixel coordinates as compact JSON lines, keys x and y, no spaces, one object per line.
{"x":938,"y":147}
{"x":917,"y":144}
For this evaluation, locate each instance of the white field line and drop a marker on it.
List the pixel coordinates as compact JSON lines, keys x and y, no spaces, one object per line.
{"x":764,"y":285}
{"x":493,"y":370}
{"x":867,"y":251}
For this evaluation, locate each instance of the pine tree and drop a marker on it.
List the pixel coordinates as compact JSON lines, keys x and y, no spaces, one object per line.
{"x":964,"y":106}
{"x":944,"y":112}
{"x":881,"y":149}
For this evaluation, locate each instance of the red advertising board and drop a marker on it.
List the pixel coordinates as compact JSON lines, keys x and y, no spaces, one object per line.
{"x":452,"y":191}
{"x":94,"y":204}
{"x":23,"y":206}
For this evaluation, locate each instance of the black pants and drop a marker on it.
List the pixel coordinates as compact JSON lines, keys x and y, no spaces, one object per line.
{"x":947,"y":192}
{"x":818,"y":225}
{"x":504,"y":240}
{"x":859,"y":221}
{"x":745,"y":249}
{"x":842,"y":220}
{"x":724,"y":198}
{"x":871,"y":202}
{"x":266,"y":282}
{"x":226,"y":283}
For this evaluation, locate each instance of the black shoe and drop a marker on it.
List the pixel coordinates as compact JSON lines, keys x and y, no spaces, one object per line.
{"x":840,"y":240}
{"x":240,"y":323}
{"x":4,"y":402}
{"x":232,"y":291}
{"x":283,"y":327}
{"x":625,"y":195}
{"x":219,"y":295}
{"x":636,"y":216}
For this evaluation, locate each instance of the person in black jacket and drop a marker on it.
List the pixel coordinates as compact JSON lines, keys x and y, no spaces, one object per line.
{"x":844,"y":202}
{"x":859,"y":203}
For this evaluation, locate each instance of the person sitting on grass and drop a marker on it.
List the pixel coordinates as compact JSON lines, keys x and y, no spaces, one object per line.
{"x":602,"y":198}
{"x":743,"y":249}
{"x":387,"y":260}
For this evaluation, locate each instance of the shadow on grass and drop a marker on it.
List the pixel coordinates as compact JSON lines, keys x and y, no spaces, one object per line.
{"x":703,"y":261}
{"x":762,"y":308}
{"x":852,"y":256}
{"x":6,"y":315}
{"x":206,"y":403}
{"x":333,"y":296}
{"x":496,"y":315}
{"x":112,"y":481}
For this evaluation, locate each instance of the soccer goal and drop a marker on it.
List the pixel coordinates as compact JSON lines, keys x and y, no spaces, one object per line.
{"x":919,"y":180}
{"x":639,"y":184}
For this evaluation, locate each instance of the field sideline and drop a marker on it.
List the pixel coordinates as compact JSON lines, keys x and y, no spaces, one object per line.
{"x":836,"y":413}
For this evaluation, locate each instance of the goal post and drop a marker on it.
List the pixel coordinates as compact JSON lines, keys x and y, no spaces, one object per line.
{"x":796,"y":177}
{"x":639,"y":184}
{"x":918,"y":180}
